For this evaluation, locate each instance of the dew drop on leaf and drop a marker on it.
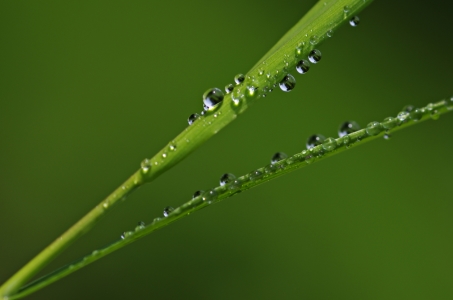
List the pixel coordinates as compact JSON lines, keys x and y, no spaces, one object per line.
{"x":315,"y":140}
{"x":168,"y":210}
{"x":288,"y":83}
{"x":278,"y":157}
{"x":314,"y":56}
{"x":227,"y":178}
{"x":354,"y":21}
{"x":303,"y":66}
{"x":373,"y":128}
{"x":347,"y":128}
{"x":211,"y":98}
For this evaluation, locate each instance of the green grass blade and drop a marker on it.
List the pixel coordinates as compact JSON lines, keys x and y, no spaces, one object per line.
{"x":248,"y":181}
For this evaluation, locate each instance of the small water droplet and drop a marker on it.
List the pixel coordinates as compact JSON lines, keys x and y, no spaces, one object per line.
{"x":95,"y":252}
{"x":197,"y":194}
{"x":314,"y":56}
{"x":172,"y":147}
{"x":126,"y":234}
{"x":416,"y":114}
{"x":314,"y":40}
{"x":387,"y":136}
{"x":449,"y":103}
{"x":299,"y":51}
{"x":403,"y":116}
{"x":354,"y":21}
{"x":260,"y":71}
{"x":239,"y":78}
{"x":145,"y":165}
{"x":235,"y":185}
{"x":346,"y":140}
{"x":140,"y":226}
{"x":329,"y":33}
{"x":346,"y":9}
{"x":251,"y":91}
{"x":255,"y":175}
{"x":430,"y":106}
{"x":105,"y":204}
{"x":435,"y":114}
{"x":329,"y":144}
{"x":303,"y":66}
{"x":212,"y":98}
{"x":389,"y":122}
{"x":226,"y":178}
{"x":288,"y":83}
{"x":315,"y":140}
{"x":229,"y":88}
{"x":347,"y":128}
{"x":408,"y":108}
{"x":209,"y":196}
{"x":373,"y":128}
{"x":278,"y":157}
{"x":164,"y":155}
{"x":168,"y":210}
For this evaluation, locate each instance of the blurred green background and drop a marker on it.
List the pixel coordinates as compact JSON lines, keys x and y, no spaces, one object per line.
{"x":89,"y":89}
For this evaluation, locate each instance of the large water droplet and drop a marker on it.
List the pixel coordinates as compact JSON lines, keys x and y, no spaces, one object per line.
{"x":389,"y":123}
{"x":329,"y":144}
{"x":347,"y":128}
{"x":227,"y":178}
{"x":211,"y":98}
{"x":168,"y":210}
{"x":373,"y":128}
{"x":278,"y":157}
{"x":315,"y":140}
{"x":229,"y":88}
{"x":197,"y":194}
{"x":146,"y":165}
{"x":354,"y":21}
{"x":303,"y":66}
{"x":314,"y":56}
{"x":239,"y":78}
{"x":288,"y":83}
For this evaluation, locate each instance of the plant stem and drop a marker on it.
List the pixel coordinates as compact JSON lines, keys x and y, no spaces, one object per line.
{"x":297,"y":161}
{"x":310,"y":31}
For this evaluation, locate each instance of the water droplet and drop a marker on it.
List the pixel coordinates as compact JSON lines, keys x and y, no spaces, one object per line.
{"x":314,"y":40}
{"x":387,"y":136}
{"x":299,"y":51}
{"x":315,"y":140}
{"x":229,"y":88}
{"x":168,"y":210}
{"x":126,"y":234}
{"x":95,"y":252}
{"x":105,"y":204}
{"x":278,"y":157}
{"x":239,"y":78}
{"x":435,"y":114}
{"x":210,"y":196}
{"x":373,"y":128}
{"x":408,"y":108}
{"x":164,"y":155}
{"x":346,"y":140}
{"x":251,"y":91}
{"x":346,"y":9}
{"x":211,"y":98}
{"x":449,"y":103}
{"x":288,"y":83}
{"x":227,"y":178}
{"x":347,"y":128}
{"x":403,"y":116}
{"x":255,"y":175}
{"x":314,"y":56}
{"x":389,"y":123}
{"x":354,"y":21}
{"x":303,"y":66}
{"x":329,"y":33}
{"x":329,"y":144}
{"x":260,"y":71}
{"x":235,"y":185}
{"x":197,"y":194}
{"x":172,"y":147}
{"x":146,"y":165}
{"x":430,"y":106}
{"x":140,"y":226}
{"x":416,"y":114}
